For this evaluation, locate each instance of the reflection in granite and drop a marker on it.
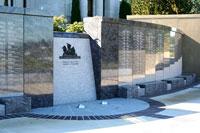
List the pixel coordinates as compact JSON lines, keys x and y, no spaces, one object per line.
{"x":26,"y":55}
{"x":11,"y":49}
{"x":38,"y":61}
{"x":134,"y":52}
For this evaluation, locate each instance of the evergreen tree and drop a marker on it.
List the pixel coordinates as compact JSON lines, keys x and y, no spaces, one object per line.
{"x":75,"y":13}
{"x":125,"y":9}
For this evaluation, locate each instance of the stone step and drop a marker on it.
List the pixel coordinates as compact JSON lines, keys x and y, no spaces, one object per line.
{"x":2,"y":110}
{"x":16,"y":104}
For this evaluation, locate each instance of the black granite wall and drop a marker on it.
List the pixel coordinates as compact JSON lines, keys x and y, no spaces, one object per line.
{"x":26,"y":55}
{"x":133,"y":53}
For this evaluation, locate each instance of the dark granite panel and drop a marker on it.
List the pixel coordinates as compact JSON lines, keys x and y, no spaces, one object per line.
{"x":178,"y":49}
{"x":14,"y":105}
{"x":150,"y":55}
{"x":172,"y":47}
{"x":108,"y":92}
{"x":166,"y":48}
{"x":125,"y":55}
{"x":109,"y":55}
{"x":38,"y":59}
{"x":96,"y":60}
{"x":159,"y":49}
{"x":176,"y":83}
{"x":133,"y":52}
{"x":138,"y":54}
{"x":11,"y":55}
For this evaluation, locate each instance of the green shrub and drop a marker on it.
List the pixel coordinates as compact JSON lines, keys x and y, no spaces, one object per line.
{"x":75,"y":27}
{"x":125,"y":9}
{"x":59,"y":23}
{"x":75,"y":13}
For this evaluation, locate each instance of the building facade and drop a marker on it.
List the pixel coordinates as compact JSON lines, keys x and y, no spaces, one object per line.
{"x":107,"y":8}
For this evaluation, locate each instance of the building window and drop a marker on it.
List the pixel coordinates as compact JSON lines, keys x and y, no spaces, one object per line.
{"x":5,"y":2}
{"x":11,"y":3}
{"x":90,"y":8}
{"x":24,"y":3}
{"x":104,"y":6}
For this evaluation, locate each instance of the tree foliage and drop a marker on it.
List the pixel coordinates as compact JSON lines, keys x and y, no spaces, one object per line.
{"x":196,"y":7}
{"x":146,"y":7}
{"x":59,"y":23}
{"x":125,"y":9}
{"x":75,"y":27}
{"x":75,"y":13}
{"x":140,"y":7}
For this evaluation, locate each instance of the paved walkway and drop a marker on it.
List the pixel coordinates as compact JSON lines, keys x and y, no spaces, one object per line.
{"x":182,"y":113}
{"x":96,"y":108}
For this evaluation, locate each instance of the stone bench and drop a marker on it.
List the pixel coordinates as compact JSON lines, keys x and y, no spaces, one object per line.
{"x":154,"y":88}
{"x":16,"y":104}
{"x":175,"y":83}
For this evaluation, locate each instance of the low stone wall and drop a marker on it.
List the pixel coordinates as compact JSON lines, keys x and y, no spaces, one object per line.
{"x":150,"y":89}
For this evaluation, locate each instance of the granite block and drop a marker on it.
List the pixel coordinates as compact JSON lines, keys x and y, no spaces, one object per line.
{"x":38,"y":101}
{"x":128,"y":91}
{"x":108,"y":92}
{"x":176,"y":83}
{"x":18,"y":104}
{"x":190,"y":79}
{"x":2,"y":110}
{"x":154,"y":88}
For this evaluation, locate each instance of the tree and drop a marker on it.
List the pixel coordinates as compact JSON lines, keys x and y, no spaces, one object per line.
{"x":145,"y":7}
{"x":196,"y":7}
{"x":140,"y":7}
{"x":75,"y":13}
{"x":125,"y":9}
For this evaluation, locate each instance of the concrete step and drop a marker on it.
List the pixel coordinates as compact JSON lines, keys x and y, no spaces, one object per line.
{"x":2,"y":110}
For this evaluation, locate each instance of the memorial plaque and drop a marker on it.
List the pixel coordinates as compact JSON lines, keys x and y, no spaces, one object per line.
{"x":125,"y":55}
{"x":15,"y":50}
{"x":109,"y":55}
{"x":3,"y":37}
{"x":138,"y":59}
{"x":150,"y":55}
{"x":159,"y":55}
{"x":167,"y":54}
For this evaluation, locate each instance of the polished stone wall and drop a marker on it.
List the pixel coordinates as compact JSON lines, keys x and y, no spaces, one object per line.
{"x":26,"y":63}
{"x":38,"y":59}
{"x":189,"y":24}
{"x":11,"y":53}
{"x":134,"y":52}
